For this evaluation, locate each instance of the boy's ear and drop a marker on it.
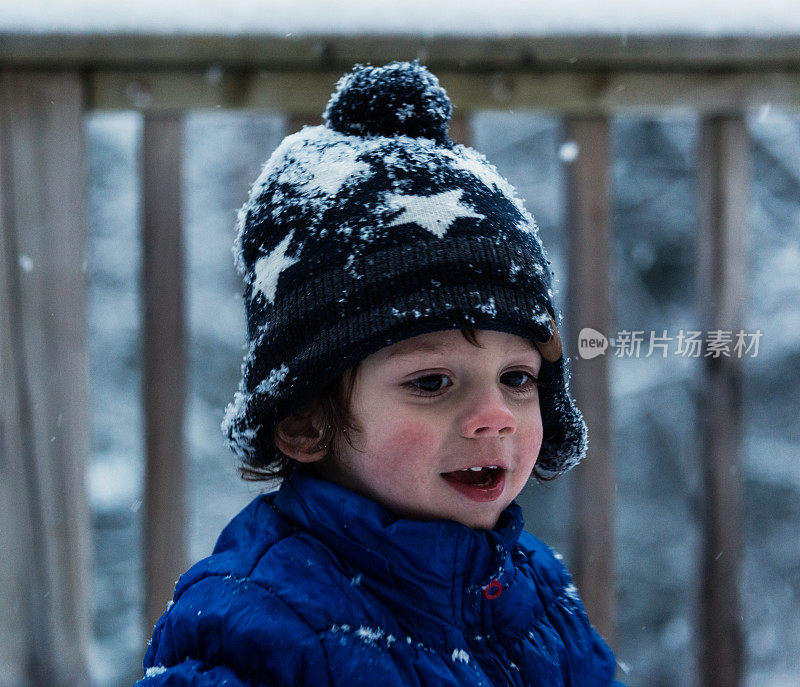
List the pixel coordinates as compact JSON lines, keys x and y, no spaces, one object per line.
{"x":298,"y":437}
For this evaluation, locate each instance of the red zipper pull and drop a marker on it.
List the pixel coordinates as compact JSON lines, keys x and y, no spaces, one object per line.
{"x":492,"y":590}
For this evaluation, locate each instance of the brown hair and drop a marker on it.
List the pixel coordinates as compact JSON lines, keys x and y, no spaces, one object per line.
{"x":334,"y":405}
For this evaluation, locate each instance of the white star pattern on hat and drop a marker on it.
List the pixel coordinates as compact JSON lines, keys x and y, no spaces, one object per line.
{"x":434,"y":213}
{"x":268,"y":269}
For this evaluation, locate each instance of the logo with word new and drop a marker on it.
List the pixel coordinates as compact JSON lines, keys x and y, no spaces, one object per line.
{"x":591,"y":343}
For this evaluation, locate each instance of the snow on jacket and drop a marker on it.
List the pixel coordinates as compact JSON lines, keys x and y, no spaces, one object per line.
{"x":316,"y":585}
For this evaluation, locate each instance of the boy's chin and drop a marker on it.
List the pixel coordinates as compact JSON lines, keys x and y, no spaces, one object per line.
{"x":477,"y":521}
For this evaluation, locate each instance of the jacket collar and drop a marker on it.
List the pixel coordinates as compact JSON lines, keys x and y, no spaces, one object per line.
{"x":438,"y":560}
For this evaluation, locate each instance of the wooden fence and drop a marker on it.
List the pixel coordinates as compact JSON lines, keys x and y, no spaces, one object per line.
{"x":47,"y":83}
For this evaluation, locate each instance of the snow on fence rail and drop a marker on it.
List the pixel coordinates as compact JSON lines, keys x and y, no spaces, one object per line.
{"x":49,"y":81}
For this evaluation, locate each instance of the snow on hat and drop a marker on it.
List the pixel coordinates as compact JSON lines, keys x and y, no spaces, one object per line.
{"x":375,"y":228}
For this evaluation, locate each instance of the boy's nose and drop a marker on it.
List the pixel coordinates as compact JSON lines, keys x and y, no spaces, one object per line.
{"x":488,"y":415}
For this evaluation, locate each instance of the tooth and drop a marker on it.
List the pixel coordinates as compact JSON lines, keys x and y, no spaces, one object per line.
{"x":493,"y":467}
{"x":476,"y":469}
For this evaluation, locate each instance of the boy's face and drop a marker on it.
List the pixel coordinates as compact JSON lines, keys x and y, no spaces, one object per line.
{"x":431,"y":407}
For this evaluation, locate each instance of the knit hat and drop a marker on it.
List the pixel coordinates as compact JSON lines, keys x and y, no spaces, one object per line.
{"x":375,"y":228}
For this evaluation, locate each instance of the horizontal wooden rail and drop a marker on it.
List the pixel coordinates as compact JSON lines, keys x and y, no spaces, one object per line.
{"x":471,"y":54}
{"x":298,"y":92}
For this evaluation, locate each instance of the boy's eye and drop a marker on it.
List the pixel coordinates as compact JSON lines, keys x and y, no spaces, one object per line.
{"x":517,"y":378}
{"x":431,"y":383}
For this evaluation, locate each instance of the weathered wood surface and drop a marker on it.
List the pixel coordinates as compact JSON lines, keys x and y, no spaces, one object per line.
{"x":164,"y":378}
{"x":42,"y":297}
{"x":569,"y":90}
{"x":590,"y":305}
{"x":723,"y":202}
{"x":461,"y":128}
{"x":44,"y":413}
{"x":472,"y":53}
{"x":569,"y":74}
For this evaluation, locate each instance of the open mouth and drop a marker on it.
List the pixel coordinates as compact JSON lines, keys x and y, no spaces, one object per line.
{"x":478,"y":483}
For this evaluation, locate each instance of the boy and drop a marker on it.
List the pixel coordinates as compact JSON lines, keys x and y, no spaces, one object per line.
{"x":405,"y":377}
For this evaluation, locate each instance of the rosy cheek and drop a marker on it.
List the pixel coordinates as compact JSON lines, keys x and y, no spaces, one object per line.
{"x":407,"y":437}
{"x":531,"y":433}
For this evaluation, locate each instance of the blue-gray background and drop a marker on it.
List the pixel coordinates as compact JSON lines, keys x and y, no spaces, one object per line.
{"x":657,"y":459}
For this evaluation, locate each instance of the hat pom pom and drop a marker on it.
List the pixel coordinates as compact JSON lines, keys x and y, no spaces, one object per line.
{"x":400,"y":98}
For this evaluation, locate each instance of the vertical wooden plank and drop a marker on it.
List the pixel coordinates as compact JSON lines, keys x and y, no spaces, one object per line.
{"x":589,"y":280}
{"x":723,"y":184}
{"x":44,"y":419}
{"x":164,"y":375}
{"x":461,"y":129}
{"x":16,"y":446}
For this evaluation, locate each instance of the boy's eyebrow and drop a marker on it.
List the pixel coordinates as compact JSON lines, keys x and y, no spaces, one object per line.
{"x":411,"y":348}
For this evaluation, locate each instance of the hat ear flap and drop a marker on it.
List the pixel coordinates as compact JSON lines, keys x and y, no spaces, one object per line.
{"x":565,"y":435}
{"x":552,"y":349}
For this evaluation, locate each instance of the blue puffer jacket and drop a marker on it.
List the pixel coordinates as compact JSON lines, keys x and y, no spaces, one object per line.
{"x":316,"y":585}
